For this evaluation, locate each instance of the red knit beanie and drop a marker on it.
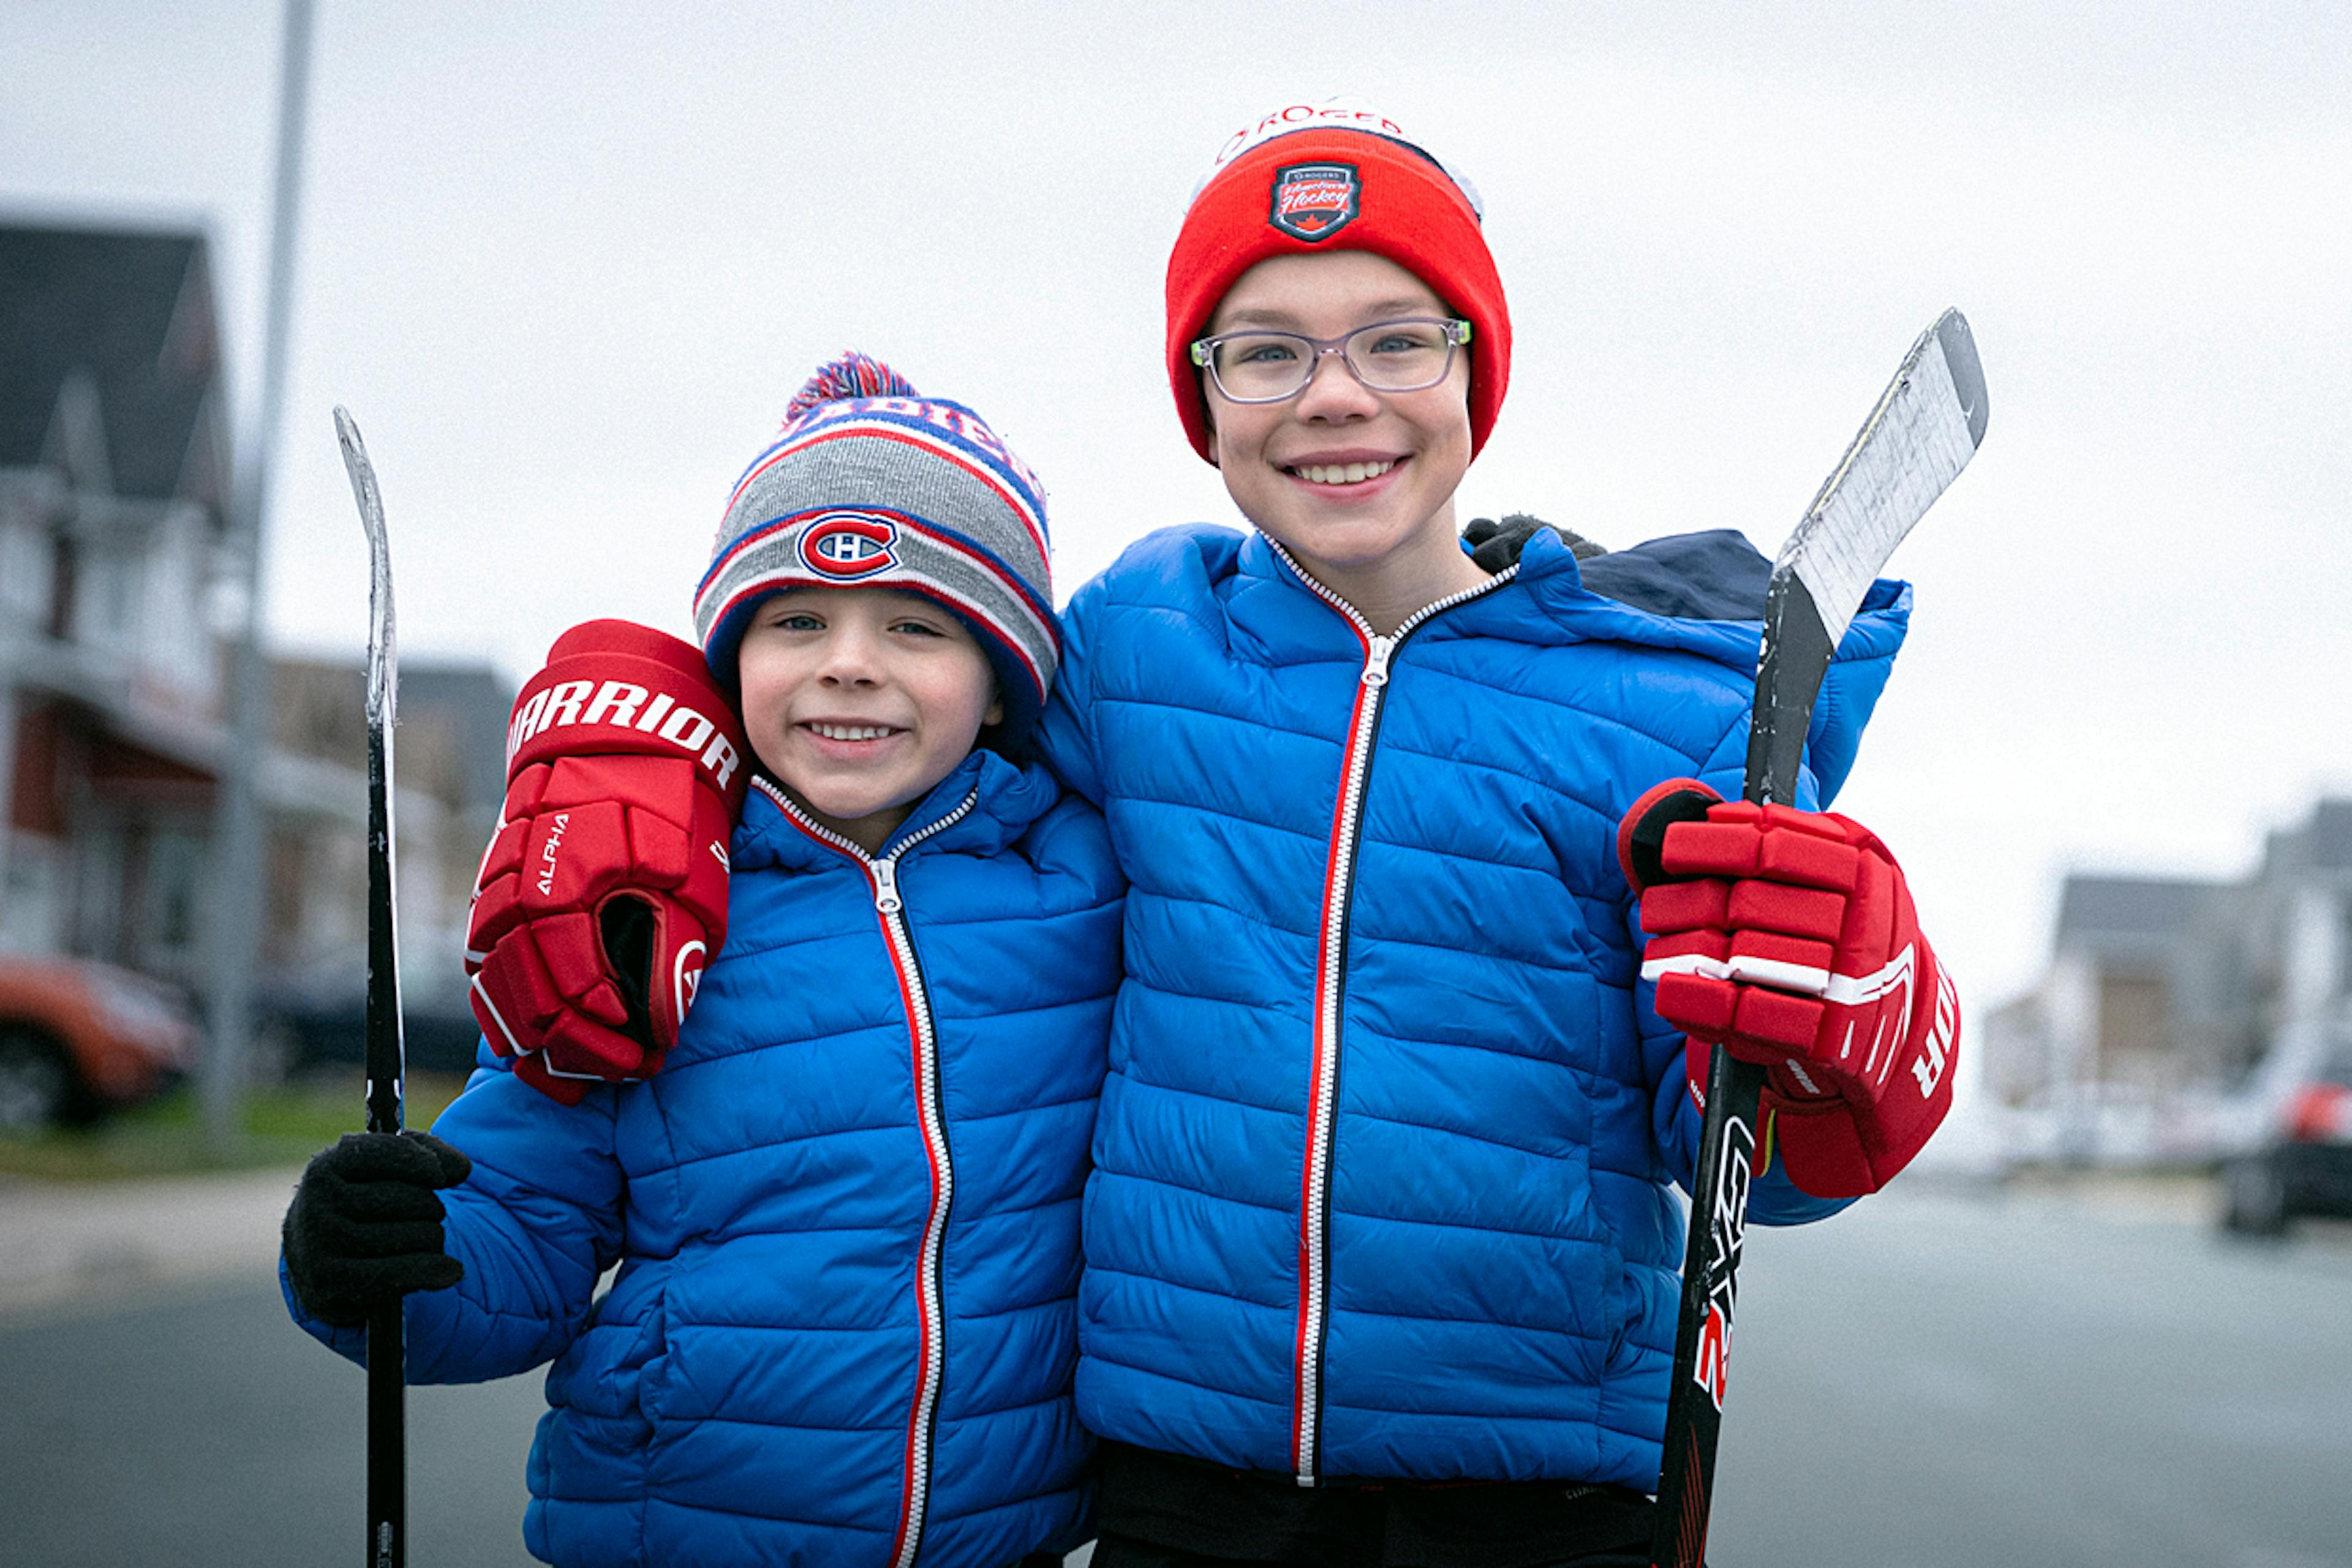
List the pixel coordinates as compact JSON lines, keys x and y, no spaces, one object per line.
{"x":1308,"y":178}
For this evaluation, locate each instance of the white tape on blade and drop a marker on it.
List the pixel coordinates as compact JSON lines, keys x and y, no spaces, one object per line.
{"x":1912,"y":452}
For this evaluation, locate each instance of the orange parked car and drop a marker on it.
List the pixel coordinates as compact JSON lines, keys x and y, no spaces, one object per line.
{"x":79,"y":1039}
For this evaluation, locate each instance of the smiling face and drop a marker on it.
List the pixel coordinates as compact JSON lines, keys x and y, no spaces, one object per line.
{"x":1357,"y":485}
{"x":858,"y":700}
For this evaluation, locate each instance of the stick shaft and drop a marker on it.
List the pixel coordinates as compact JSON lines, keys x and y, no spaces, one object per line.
{"x":387,"y":1048}
{"x":387,"y":1353}
{"x":387,"y":1392}
{"x":1920,"y":434}
{"x":1796,"y":657}
{"x":387,"y":1438}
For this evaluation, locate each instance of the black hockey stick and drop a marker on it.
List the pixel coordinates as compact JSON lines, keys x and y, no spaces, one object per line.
{"x":1923,"y":430}
{"x":387,"y":1394}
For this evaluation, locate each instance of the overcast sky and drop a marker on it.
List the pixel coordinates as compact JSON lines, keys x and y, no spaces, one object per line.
{"x":566,"y":263}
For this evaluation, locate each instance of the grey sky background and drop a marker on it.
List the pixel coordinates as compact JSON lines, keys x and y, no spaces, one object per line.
{"x":566,"y":264}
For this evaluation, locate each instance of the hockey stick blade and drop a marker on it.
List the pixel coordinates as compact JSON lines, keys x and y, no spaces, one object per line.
{"x":385,"y":1050}
{"x":387,"y":1416}
{"x":1923,"y":429}
{"x":1920,"y":435}
{"x":382,"y":655}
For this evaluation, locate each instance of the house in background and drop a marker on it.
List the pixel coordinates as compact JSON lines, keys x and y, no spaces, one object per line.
{"x":449,"y":752}
{"x":114,"y":468}
{"x":117,"y":582}
{"x":2164,"y":996}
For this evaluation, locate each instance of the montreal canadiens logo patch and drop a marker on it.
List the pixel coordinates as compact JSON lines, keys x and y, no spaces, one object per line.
{"x":1314,"y":201}
{"x":846,"y":545}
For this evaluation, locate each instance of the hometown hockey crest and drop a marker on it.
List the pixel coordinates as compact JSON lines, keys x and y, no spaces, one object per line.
{"x":1315,"y":201}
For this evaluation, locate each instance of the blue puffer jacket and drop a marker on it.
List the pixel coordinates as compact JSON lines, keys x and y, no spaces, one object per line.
{"x":845,"y":1213}
{"x":1382,"y":1166}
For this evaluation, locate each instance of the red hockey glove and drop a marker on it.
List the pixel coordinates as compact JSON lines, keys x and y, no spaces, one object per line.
{"x":604,"y":892}
{"x":1789,"y":938}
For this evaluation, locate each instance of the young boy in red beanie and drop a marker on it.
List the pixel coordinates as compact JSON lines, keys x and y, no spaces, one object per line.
{"x":1382,"y":1241}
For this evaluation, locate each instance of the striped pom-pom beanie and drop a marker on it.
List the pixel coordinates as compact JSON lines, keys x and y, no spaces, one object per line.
{"x":872,"y":484}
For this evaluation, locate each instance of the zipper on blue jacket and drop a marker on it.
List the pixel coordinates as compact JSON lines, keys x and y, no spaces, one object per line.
{"x":1330,"y":987}
{"x":930,"y":1109}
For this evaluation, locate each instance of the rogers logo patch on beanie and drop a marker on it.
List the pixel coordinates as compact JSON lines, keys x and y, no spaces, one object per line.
{"x":1314,"y":201}
{"x":846,"y":545}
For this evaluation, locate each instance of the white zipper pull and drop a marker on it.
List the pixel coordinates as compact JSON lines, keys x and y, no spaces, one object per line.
{"x":1376,"y":661}
{"x":886,"y":886}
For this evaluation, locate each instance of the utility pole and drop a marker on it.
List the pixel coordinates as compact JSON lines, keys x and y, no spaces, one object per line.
{"x":237,"y":833}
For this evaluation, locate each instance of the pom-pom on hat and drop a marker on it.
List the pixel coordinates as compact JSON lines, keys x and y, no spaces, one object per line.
{"x":1311,"y":177}
{"x":872,"y":484}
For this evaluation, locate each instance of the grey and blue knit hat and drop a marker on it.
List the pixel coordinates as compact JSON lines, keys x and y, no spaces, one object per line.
{"x":872,"y":484}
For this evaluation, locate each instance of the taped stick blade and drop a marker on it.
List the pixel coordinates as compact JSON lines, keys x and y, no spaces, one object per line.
{"x":1959,"y":346}
{"x":384,"y":688}
{"x":1924,"y":428}
{"x":1921,"y":433}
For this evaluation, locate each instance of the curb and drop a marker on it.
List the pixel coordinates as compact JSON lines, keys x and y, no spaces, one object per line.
{"x":63,"y":1243}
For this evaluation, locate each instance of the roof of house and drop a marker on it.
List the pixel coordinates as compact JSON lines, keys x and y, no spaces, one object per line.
{"x":2328,"y":835}
{"x":2117,"y":913}
{"x":474,"y":700}
{"x":128,"y":316}
{"x":2320,"y":844}
{"x":452,"y":723}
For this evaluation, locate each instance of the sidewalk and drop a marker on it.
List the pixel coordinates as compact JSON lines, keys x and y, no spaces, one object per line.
{"x":62,"y":1244}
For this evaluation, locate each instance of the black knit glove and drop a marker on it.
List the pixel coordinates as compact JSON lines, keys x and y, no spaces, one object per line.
{"x":1495,"y":545}
{"x":364,"y":1227}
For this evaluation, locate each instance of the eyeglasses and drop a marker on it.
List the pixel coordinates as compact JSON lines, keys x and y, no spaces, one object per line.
{"x":1387,"y":356}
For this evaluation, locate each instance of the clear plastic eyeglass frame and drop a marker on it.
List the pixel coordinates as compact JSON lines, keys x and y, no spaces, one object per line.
{"x":1456,"y":332}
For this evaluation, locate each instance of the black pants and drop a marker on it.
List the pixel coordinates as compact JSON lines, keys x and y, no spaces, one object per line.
{"x":1162,"y":1510}
{"x":1121,"y":1551}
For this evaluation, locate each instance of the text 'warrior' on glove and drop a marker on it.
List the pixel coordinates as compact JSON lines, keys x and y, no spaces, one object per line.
{"x":1789,"y":938}
{"x":604,"y":892}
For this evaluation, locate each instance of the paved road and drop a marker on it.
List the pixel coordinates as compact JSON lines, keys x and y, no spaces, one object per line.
{"x":194,"y":1427}
{"x":1927,"y":1382}
{"x":1930,"y":1381}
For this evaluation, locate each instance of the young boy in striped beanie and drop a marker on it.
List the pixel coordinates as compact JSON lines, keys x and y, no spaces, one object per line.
{"x":846,"y":1212}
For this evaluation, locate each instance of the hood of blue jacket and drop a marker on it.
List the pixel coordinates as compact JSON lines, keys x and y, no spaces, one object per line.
{"x":1705,"y":593}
